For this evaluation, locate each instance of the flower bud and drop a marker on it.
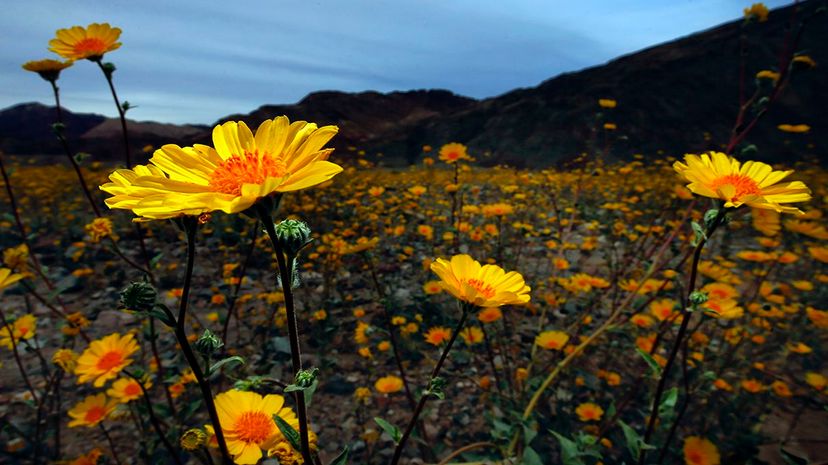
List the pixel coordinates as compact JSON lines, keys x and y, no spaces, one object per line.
{"x":698,"y":297}
{"x":305,"y":378}
{"x":192,"y":439}
{"x":138,"y":297}
{"x":208,"y":344}
{"x":293,"y":235}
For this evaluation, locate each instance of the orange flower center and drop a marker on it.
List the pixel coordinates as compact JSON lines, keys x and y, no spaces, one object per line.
{"x":250,"y":168}
{"x":91,"y":46}
{"x":742,"y":184}
{"x":94,"y":414}
{"x":110,"y":360}
{"x":484,"y":289}
{"x":132,"y":389}
{"x":452,"y":155}
{"x":694,"y":456}
{"x":254,"y":427}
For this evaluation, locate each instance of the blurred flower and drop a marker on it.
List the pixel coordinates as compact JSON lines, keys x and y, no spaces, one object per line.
{"x":758,"y":11}
{"x":99,"y":228}
{"x":700,"y":451}
{"x":482,"y":286}
{"x":472,"y":335}
{"x":243,"y":168}
{"x":66,"y":359}
{"x":768,"y":74}
{"x":589,"y":412}
{"x":607,"y":103}
{"x":389,"y":384}
{"x":7,"y":278}
{"x":553,"y":340}
{"x":91,"y":410}
{"x":22,"y":328}
{"x":816,"y":380}
{"x":453,"y":152}
{"x":794,"y":128}
{"x":753,"y":183}
{"x":47,"y":69}
{"x":90,"y":42}
{"x":126,"y":389}
{"x":437,"y":335}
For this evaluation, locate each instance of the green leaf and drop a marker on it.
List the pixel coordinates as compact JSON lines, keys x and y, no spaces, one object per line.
{"x":528,"y":435}
{"x":390,"y":429}
{"x":155,"y":260}
{"x":309,"y":391}
{"x":62,"y":286}
{"x":699,"y":233}
{"x":342,"y":458}
{"x":655,"y":368}
{"x":569,"y":450}
{"x":530,"y":457}
{"x":669,"y":401}
{"x":288,"y":432}
{"x":218,"y":365}
{"x":632,"y":439}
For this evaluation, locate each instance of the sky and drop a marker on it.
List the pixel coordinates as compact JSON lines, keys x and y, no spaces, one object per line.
{"x":195,"y":61}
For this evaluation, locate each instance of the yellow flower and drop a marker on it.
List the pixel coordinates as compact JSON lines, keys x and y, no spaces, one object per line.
{"x":90,"y":458}
{"x":758,"y":11}
{"x":90,"y":42}
{"x":99,"y":228}
{"x":489,"y":315}
{"x":752,"y":385}
{"x":768,"y":74}
{"x":92,"y":410}
{"x":804,"y":61}
{"x":126,"y":389}
{"x":105,"y":358}
{"x":453,"y":152}
{"x":389,"y":384}
{"x":472,"y":335}
{"x":607,"y":103}
{"x":437,"y":335}
{"x":755,"y":184}
{"x":246,"y":419}
{"x":589,"y":412}
{"x":553,"y":340}
{"x":243,"y":168}
{"x":482,"y":286}
{"x":766,"y":221}
{"x":819,"y":253}
{"x":320,"y":315}
{"x":663,"y":309}
{"x":47,"y":69}
{"x":66,"y":359}
{"x":807,"y":228}
{"x":794,"y":128}
{"x":610,"y":126}
{"x":22,"y":328}
{"x":700,"y":451}
{"x":363,"y":394}
{"x":816,"y":380}
{"x":7,"y":278}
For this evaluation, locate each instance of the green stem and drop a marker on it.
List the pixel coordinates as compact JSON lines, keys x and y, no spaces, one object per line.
{"x":285,"y":262}
{"x":121,"y":112}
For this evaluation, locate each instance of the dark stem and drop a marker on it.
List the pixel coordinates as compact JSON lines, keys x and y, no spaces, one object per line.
{"x":111,"y":444}
{"x":156,"y":425}
{"x":285,"y":262}
{"x":424,"y":397}
{"x":231,"y":307}
{"x":685,"y":321}
{"x":121,"y":113}
{"x":190,"y":226}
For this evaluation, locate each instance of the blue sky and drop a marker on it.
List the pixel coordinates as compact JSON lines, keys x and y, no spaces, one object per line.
{"x":198,"y":60}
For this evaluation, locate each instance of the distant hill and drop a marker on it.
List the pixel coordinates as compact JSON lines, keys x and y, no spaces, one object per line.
{"x":677,"y":97}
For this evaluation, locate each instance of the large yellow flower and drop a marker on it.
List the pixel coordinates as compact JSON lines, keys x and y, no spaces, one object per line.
{"x":91,"y":42}
{"x":105,"y":358}
{"x":482,"y":286}
{"x":247,"y":422}
{"x":241,"y":169}
{"x":753,"y":183}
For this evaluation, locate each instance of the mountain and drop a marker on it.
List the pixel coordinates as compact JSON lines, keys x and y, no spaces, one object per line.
{"x":677,"y":97}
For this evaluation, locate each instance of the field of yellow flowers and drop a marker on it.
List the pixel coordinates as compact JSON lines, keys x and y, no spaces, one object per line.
{"x":265,"y":300}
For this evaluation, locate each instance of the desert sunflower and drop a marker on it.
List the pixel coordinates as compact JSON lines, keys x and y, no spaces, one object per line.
{"x":752,"y":183}
{"x":105,"y":358}
{"x":247,"y":421}
{"x":90,"y":42}
{"x":241,"y":169}
{"x":7,"y":278}
{"x":47,"y":69}
{"x":482,"y":286}
{"x":92,"y":410}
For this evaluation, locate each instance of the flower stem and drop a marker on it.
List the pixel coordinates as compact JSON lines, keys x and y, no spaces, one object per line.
{"x":121,"y":112}
{"x":285,"y":262}
{"x":685,"y":321}
{"x":190,"y":226}
{"x":156,"y":425}
{"x":424,"y":397}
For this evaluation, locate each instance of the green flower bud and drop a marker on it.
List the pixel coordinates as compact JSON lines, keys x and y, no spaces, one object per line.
{"x":208,"y":344}
{"x":193,"y":439}
{"x":305,"y":378}
{"x":138,"y":297}
{"x":698,"y":298}
{"x":293,"y":235}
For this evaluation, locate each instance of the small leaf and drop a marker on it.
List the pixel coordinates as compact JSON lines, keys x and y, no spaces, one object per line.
{"x":654,"y":366}
{"x":216,"y":366}
{"x":632,"y":439}
{"x":528,"y":435}
{"x":288,"y":432}
{"x":530,"y":457}
{"x":569,"y":450}
{"x":390,"y":429}
{"x":342,"y":458}
{"x":699,"y":233}
{"x":669,"y":401}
